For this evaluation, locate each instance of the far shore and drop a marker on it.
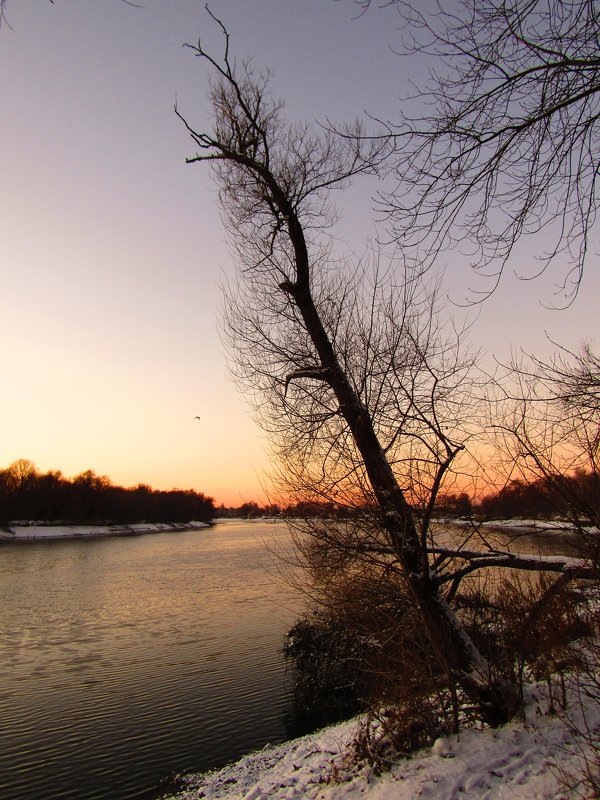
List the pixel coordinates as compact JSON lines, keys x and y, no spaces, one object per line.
{"x":25,"y":531}
{"x":22,"y":532}
{"x":543,"y":527}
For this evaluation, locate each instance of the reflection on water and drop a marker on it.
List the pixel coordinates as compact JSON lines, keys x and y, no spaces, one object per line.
{"x":128,"y":659}
{"x":125,"y":660}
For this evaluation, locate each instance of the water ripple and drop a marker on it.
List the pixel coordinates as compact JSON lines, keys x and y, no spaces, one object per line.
{"x":129,"y":659}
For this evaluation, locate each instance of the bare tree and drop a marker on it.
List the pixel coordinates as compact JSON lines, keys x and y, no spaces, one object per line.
{"x":367,"y":398}
{"x":547,"y":418}
{"x":274,"y":183}
{"x":503,"y":140}
{"x":550,"y":433}
{"x":548,"y":426}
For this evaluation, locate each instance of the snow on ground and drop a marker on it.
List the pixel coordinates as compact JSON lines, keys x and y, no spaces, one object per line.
{"x":24,"y":532}
{"x":548,"y":526}
{"x":29,"y":530}
{"x":521,"y":761}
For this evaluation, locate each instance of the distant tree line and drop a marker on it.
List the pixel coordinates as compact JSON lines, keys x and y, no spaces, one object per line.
{"x":551,"y":496}
{"x":252,"y":510}
{"x":315,"y":508}
{"x":26,"y":493}
{"x":556,"y":495}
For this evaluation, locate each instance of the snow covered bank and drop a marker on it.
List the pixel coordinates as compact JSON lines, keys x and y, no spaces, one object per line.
{"x":521,"y":761}
{"x":539,"y":526}
{"x":27,"y":532}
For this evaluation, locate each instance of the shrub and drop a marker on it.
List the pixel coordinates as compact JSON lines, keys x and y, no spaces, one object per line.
{"x":525,"y":624}
{"x":366,"y":648}
{"x":327,"y":669}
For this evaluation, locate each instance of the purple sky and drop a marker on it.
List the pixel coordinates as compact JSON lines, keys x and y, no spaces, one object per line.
{"x":113,"y":248}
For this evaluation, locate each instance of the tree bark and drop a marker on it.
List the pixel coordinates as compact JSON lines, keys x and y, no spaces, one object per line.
{"x":255,"y":187}
{"x":495,"y":698}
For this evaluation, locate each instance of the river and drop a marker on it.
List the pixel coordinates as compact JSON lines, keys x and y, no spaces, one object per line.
{"x":125,"y":660}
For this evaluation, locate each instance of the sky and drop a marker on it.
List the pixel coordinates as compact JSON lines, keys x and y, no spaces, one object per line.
{"x":113,"y":251}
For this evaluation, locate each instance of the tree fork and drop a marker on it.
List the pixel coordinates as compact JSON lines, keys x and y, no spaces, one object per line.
{"x":495,"y":698}
{"x":267,"y":194}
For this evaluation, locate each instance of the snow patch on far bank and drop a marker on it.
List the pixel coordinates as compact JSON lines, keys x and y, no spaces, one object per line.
{"x":26,"y":532}
{"x":523,"y":525}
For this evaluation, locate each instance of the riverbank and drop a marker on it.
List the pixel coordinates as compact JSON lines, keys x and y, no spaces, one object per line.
{"x":534,"y":759}
{"x":128,"y":658}
{"x":24,"y":531}
{"x":549,"y":527}
{"x":37,"y":532}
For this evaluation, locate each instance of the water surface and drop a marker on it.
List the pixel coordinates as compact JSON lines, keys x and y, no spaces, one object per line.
{"x":125,"y":660}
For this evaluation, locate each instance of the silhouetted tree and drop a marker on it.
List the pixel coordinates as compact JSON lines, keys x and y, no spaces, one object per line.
{"x":503,"y":139}
{"x":368,"y":400}
{"x":27,"y":494}
{"x":350,"y":379}
{"x":455,"y":505}
{"x":250,"y":509}
{"x":547,"y":418}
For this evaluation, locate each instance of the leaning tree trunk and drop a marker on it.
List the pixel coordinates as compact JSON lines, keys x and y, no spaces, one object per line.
{"x":242,"y":144}
{"x":493,"y":696}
